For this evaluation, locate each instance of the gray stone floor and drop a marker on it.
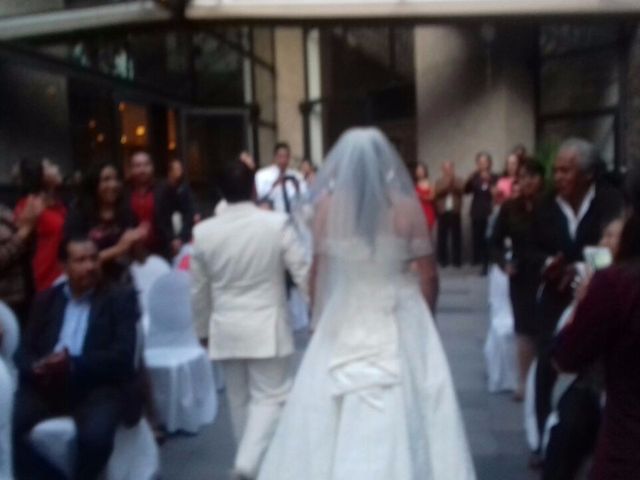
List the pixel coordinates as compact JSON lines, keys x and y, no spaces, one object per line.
{"x":493,"y":422}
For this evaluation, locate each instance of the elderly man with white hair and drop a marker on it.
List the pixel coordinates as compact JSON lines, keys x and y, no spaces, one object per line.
{"x":569,"y":219}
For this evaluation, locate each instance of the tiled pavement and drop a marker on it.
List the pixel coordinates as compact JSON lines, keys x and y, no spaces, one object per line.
{"x":493,"y":422}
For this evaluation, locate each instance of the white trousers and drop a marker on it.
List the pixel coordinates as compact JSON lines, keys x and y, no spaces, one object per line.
{"x":256,"y":391}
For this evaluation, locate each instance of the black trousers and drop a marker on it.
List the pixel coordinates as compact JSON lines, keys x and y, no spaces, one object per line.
{"x":480,"y":242}
{"x":449,"y":232}
{"x":96,"y":413}
{"x":574,"y":438}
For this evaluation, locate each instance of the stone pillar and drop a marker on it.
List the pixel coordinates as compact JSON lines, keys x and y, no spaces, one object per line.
{"x":475,"y":91}
{"x":290,"y":87}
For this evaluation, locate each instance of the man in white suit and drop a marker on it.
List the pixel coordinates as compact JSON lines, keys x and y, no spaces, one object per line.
{"x":240,"y":304}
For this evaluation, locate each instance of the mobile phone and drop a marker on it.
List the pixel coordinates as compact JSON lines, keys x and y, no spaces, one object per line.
{"x":598,"y":258}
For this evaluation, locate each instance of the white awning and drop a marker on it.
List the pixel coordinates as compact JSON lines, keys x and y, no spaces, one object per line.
{"x":62,"y":21}
{"x":380,"y":9}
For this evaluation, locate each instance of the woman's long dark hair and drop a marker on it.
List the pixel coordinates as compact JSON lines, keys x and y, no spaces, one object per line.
{"x":89,"y":201}
{"x":629,"y":249}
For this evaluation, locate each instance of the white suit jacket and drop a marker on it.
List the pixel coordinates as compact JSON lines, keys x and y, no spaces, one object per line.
{"x":265,"y":179}
{"x":238,"y":273}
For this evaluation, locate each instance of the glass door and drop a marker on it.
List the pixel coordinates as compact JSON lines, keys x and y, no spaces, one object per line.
{"x":212,"y":137}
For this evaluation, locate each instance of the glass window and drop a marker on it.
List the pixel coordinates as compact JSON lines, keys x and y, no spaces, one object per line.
{"x":92,"y":123}
{"x":601,"y":130}
{"x":562,"y":39}
{"x":580,"y":83}
{"x":219,"y":71}
{"x":404,"y":52}
{"x":134,"y":127}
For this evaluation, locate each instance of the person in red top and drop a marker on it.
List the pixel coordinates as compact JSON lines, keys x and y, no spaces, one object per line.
{"x":153,"y":203}
{"x":43,"y":180}
{"x":426,"y":194}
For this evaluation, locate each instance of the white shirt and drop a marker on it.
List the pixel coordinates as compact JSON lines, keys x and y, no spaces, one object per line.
{"x":573,"y":218}
{"x":75,"y":323}
{"x":294,"y":187}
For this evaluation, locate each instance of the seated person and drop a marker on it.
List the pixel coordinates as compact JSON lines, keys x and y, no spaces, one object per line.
{"x":76,"y":359}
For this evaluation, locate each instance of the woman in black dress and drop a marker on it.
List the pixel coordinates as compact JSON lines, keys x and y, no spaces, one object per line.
{"x":509,"y":245}
{"x":102,"y":214}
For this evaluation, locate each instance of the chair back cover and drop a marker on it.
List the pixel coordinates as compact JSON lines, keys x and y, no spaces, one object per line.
{"x":144,"y":276}
{"x":500,"y":309}
{"x":7,"y":388}
{"x":171,"y":322}
{"x":11,"y":337}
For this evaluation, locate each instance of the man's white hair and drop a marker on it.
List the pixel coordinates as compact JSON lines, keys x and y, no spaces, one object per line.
{"x":586,"y":154}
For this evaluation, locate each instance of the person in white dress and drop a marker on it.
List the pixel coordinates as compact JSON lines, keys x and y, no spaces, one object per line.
{"x":373,"y":398}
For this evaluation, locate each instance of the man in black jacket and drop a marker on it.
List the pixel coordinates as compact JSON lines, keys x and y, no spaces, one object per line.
{"x":480,"y":185}
{"x":177,"y":180}
{"x":573,"y":217}
{"x":154,"y":202}
{"x":76,"y":358}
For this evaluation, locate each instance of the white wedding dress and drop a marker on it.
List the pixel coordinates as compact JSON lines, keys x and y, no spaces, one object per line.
{"x":373,"y":398}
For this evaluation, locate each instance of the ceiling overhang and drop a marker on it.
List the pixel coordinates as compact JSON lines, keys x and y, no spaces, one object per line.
{"x":401,"y":9}
{"x":56,"y":22}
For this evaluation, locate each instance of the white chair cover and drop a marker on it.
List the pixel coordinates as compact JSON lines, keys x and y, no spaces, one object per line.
{"x":11,"y":336}
{"x":144,"y":276}
{"x":529,"y":409}
{"x":170,"y":313}
{"x":500,"y":346}
{"x":6,"y":411}
{"x":135,"y":455}
{"x":181,"y":373}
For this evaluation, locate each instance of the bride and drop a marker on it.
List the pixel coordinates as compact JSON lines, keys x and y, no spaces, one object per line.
{"x":373,"y":398}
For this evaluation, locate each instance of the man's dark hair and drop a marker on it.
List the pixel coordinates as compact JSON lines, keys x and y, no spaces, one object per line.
{"x":280,"y":145}
{"x":484,"y":153}
{"x":532,"y":167}
{"x":63,"y":250}
{"x":236,"y":182}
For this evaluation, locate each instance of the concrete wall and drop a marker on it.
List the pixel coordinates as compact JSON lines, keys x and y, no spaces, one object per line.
{"x":465,"y":106}
{"x":290,"y":87}
{"x":470,"y":97}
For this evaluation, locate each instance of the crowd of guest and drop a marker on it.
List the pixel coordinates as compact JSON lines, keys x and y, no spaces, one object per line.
{"x":550,"y":242}
{"x":66,"y":271}
{"x":540,"y":228}
{"x":443,"y":204}
{"x":68,"y":262}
